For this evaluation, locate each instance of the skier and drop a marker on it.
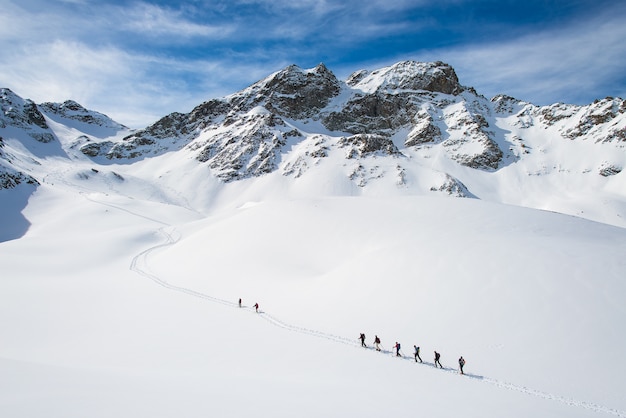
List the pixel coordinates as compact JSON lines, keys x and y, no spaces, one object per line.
{"x":256,"y":307}
{"x":437,"y":356}
{"x":362,"y":338}
{"x":417,"y":353}
{"x":461,"y":364}
{"x":397,"y":347}
{"x":377,"y":342}
{"x":240,"y":302}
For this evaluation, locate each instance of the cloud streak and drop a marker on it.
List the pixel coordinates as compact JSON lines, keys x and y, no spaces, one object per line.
{"x":560,"y":65}
{"x":151,"y":21}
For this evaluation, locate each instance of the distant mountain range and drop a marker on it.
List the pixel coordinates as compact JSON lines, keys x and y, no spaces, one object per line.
{"x":410,"y":128}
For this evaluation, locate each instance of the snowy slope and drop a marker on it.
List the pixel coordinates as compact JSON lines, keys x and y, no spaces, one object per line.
{"x":130,"y":309}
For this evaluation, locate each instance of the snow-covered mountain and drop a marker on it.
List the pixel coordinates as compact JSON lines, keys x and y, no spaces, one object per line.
{"x":410,"y":128}
{"x":334,"y":204}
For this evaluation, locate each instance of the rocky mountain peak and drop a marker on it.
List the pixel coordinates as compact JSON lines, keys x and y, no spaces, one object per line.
{"x":297,"y":93}
{"x":23,"y":114}
{"x":506,"y":104}
{"x":409,"y":75}
{"x":20,"y":112}
{"x":70,"y":109}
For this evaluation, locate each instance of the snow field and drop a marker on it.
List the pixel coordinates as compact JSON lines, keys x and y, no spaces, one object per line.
{"x":92,"y":333}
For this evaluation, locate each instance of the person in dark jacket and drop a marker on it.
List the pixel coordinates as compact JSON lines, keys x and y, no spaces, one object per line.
{"x":362,"y":338}
{"x":461,"y":364}
{"x":437,"y":357}
{"x":417,"y":353}
{"x":377,"y":342}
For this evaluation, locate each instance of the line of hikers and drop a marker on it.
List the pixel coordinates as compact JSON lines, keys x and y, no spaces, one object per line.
{"x":416,"y":353}
{"x":396,"y":346}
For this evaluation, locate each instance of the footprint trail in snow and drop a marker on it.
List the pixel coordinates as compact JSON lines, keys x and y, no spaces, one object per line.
{"x":140,"y":265}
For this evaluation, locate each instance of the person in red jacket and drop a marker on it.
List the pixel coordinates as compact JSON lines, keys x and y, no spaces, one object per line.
{"x":397,"y":347}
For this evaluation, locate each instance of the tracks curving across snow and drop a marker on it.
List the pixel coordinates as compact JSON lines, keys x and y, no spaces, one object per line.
{"x":140,"y":265}
{"x":572,"y":402}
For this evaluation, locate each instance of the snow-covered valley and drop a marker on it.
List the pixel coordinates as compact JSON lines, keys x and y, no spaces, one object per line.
{"x":121,"y":276}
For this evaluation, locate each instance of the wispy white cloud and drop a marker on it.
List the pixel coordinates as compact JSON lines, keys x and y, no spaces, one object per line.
{"x":569,"y":64}
{"x":134,"y":89}
{"x":151,"y":20}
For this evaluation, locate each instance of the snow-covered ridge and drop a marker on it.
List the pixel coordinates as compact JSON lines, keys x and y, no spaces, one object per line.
{"x":410,"y":128}
{"x":74,"y":111}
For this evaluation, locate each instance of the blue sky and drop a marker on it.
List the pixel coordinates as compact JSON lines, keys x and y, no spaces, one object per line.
{"x":139,"y":60}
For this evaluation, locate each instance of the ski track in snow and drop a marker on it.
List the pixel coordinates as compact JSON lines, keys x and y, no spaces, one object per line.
{"x":140,"y":265}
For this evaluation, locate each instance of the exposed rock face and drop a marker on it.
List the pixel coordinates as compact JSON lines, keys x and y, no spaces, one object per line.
{"x":506,"y":104}
{"x":409,"y":75}
{"x":378,"y":113}
{"x":469,"y":139}
{"x":74,"y":111}
{"x":10,"y":177}
{"x":24,"y":115}
{"x":292,"y":92}
{"x":249,"y":147}
{"x":600,"y":114}
{"x":388,"y":99}
{"x":424,"y":131}
{"x":359,"y":146}
{"x":452,"y":187}
{"x":419,"y":105}
{"x":610,"y":170}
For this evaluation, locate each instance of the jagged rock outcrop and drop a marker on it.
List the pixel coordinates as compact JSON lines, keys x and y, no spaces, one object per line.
{"x":359,"y":146}
{"x":506,"y":104}
{"x":599,"y":121}
{"x":424,"y":131}
{"x":249,"y":147}
{"x":24,"y":115}
{"x":378,"y":113}
{"x":10,"y":177}
{"x":293,"y":92}
{"x":387,"y":99}
{"x":452,"y":187}
{"x":610,"y":170}
{"x":409,"y":75}
{"x":69,"y":109}
{"x":171,"y":132}
{"x":469,"y":141}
